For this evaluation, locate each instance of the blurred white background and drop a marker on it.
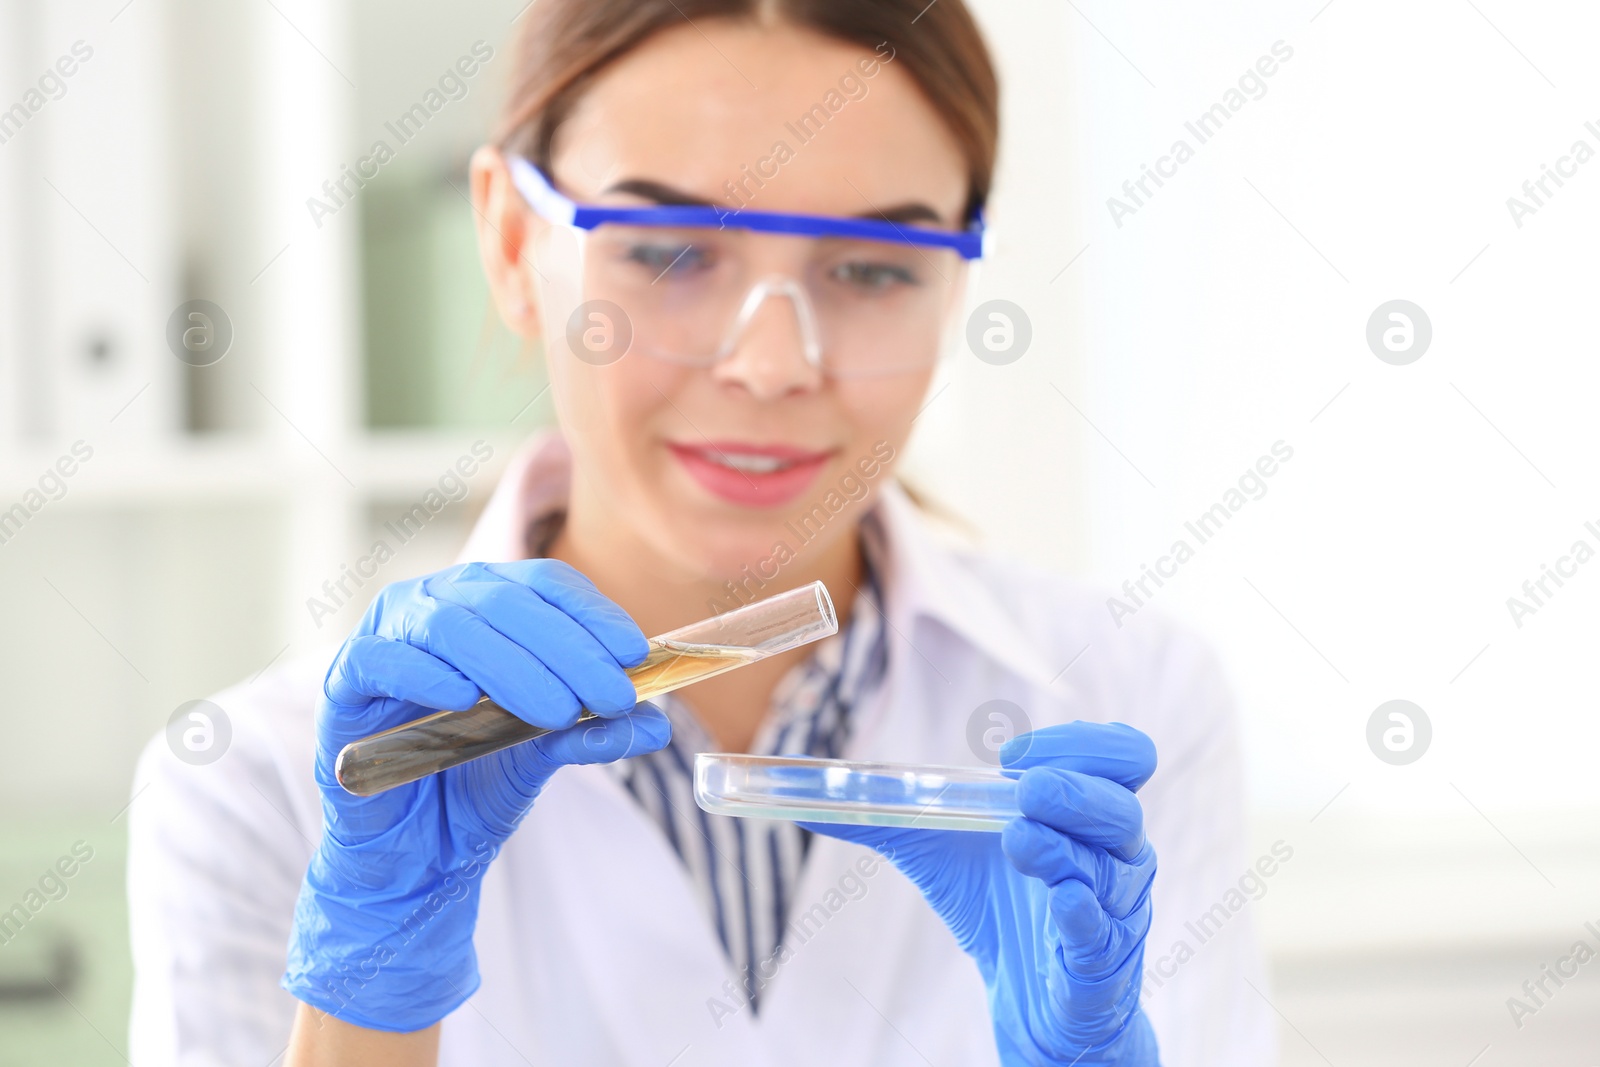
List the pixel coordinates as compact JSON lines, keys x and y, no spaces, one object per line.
{"x":1171,"y":348}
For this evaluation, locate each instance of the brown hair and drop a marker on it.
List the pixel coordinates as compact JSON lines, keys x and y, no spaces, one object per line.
{"x":564,"y":44}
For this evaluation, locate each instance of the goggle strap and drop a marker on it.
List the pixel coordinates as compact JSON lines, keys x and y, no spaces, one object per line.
{"x":540,"y":194}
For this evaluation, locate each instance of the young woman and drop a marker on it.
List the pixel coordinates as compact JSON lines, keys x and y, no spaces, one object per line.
{"x":741,"y":230}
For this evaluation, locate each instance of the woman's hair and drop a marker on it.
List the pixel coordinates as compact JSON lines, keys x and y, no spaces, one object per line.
{"x":564,"y":44}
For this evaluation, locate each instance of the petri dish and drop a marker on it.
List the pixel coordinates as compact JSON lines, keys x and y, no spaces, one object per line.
{"x":845,"y":791}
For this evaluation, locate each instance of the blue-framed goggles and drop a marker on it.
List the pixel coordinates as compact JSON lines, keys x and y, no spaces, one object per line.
{"x":686,"y":283}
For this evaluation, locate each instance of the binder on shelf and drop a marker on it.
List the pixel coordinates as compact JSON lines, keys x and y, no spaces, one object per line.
{"x":107,"y":254}
{"x":87,"y":247}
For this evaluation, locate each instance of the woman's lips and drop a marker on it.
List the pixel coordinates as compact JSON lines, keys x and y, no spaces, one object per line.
{"x":750,"y":475}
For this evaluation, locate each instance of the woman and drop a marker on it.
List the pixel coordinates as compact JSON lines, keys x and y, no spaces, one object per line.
{"x":741,"y":229}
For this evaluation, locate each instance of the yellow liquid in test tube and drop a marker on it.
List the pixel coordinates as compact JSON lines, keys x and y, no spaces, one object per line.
{"x":676,"y":663}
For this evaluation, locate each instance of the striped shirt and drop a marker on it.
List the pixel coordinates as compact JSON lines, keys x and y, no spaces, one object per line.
{"x":743,"y":870}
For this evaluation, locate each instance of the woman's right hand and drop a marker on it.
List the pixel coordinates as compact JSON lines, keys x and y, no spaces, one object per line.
{"x":383,"y":928}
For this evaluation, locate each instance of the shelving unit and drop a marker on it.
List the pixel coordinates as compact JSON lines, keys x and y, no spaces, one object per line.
{"x":304,"y":433}
{"x":179,"y":559}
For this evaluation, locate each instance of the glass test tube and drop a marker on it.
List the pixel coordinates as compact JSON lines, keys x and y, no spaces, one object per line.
{"x":688,"y":654}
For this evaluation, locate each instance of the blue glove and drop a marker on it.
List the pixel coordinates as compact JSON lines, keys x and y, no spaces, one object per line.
{"x":1056,"y":908}
{"x":383,"y":928}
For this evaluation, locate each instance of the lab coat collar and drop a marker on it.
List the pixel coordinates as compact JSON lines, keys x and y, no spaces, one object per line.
{"x":928,"y":579}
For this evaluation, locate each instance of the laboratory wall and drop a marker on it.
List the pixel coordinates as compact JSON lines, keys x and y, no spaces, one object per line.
{"x":1317,"y":379}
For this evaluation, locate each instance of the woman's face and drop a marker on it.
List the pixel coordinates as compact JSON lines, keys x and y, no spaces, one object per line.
{"x":712,"y":466}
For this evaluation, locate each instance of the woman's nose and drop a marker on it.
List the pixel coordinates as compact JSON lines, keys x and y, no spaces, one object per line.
{"x":774,"y":348}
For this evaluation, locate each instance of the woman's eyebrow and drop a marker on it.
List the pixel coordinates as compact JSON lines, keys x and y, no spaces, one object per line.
{"x":658,"y":192}
{"x":661,"y":193}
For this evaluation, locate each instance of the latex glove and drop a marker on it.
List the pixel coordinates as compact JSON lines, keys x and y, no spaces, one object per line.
{"x":383,"y":927}
{"x":1056,"y":908}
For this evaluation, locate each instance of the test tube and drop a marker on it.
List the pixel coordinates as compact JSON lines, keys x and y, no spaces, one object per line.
{"x":688,"y":654}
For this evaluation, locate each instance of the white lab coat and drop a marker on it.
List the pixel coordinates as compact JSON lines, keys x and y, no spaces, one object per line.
{"x":592,"y":946}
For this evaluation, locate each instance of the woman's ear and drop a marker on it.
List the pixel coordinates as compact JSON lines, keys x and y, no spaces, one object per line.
{"x":503,"y":221}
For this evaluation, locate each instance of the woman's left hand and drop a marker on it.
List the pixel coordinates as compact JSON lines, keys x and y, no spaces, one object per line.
{"x":1055,"y":909}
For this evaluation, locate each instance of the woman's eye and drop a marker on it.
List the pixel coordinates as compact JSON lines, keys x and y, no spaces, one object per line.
{"x":873,"y":277}
{"x":670,"y":259}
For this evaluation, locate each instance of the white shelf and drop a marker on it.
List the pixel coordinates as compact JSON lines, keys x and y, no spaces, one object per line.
{"x":206,"y":468}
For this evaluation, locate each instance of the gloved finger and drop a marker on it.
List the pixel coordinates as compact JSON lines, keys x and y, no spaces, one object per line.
{"x":1041,"y":852}
{"x":1093,"y":944}
{"x":1091,"y":809}
{"x":646,"y":729}
{"x":495,"y":793}
{"x":511,"y":675}
{"x":554,"y":638}
{"x":1105,"y":749}
{"x":370,"y":666}
{"x":567,"y":588}
{"x":887,"y":841}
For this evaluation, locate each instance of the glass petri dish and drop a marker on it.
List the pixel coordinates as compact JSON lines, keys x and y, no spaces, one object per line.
{"x":841,"y":791}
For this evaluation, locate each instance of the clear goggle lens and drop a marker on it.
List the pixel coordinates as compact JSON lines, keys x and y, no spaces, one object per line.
{"x":687,"y":295}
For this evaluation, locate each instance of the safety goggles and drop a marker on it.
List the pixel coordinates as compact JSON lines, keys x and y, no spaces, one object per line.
{"x":683,"y":283}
